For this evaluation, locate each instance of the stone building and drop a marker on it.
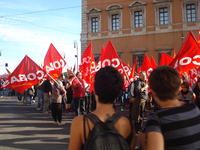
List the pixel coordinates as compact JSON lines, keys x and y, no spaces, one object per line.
{"x":138,"y":27}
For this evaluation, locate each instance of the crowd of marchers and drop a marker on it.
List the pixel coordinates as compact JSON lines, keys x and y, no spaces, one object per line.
{"x":161,"y":112}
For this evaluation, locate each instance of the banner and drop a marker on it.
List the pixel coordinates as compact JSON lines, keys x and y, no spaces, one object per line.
{"x":88,"y":65}
{"x":109,"y":57}
{"x":53,"y":62}
{"x":27,"y":74}
{"x":189,"y":55}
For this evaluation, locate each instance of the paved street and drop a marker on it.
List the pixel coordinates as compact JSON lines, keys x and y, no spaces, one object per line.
{"x":24,"y":128}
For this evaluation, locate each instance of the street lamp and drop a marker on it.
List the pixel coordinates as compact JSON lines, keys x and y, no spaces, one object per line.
{"x":76,"y":47}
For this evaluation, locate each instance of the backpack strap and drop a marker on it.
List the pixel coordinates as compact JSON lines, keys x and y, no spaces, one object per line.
{"x":94,"y":118}
{"x":114,"y":118}
{"x":84,"y":127}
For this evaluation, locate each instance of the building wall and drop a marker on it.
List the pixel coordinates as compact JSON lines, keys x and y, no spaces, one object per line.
{"x":128,"y":41}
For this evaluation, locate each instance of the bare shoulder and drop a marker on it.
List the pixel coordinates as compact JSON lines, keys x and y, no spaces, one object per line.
{"x":123,"y":125}
{"x":124,"y":121}
{"x":77,"y":120}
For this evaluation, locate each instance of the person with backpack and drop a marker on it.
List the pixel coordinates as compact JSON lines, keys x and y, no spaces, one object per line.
{"x":103,"y":129}
{"x":176,"y":126}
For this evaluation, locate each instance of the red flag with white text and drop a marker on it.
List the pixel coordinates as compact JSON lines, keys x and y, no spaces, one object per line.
{"x":109,"y":57}
{"x":53,"y":62}
{"x":27,"y":74}
{"x":87,"y":67}
{"x":189,"y":55}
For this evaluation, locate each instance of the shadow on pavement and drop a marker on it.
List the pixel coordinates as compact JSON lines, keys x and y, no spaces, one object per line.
{"x":22,"y":127}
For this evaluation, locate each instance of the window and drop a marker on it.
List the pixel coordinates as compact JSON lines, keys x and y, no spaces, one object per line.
{"x":94,"y":24}
{"x":191,"y":12}
{"x":115,"y":22}
{"x":138,"y":19}
{"x":140,"y":58}
{"x":163,"y":16}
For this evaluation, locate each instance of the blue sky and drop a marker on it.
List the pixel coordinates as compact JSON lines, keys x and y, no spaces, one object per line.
{"x":28,"y":27}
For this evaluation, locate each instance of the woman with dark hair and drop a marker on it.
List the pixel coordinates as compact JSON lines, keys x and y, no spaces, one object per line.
{"x":108,"y":86}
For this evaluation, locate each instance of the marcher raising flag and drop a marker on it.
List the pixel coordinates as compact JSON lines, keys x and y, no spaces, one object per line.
{"x":53,"y":62}
{"x":27,"y":74}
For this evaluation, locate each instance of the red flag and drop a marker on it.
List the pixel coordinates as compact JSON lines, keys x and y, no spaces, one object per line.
{"x":87,"y":67}
{"x":189,"y":55}
{"x":153,"y":63}
{"x":139,"y":69}
{"x":53,"y":62}
{"x":109,"y":57}
{"x":27,"y":74}
{"x":133,"y":69}
{"x":165,"y":59}
{"x":146,"y":66}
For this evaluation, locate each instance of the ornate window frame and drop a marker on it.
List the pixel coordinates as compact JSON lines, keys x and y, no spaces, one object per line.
{"x":197,"y":4}
{"x":94,"y":12}
{"x":138,"y":6}
{"x":158,"y":5}
{"x":112,"y":10}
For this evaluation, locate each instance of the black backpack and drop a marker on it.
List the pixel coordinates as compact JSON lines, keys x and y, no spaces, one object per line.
{"x":104,"y":136}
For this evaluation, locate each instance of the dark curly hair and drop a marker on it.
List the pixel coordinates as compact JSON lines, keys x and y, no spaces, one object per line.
{"x":165,"y":82}
{"x":108,"y":84}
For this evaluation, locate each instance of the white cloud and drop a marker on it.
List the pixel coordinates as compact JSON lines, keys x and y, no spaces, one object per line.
{"x":35,"y":44}
{"x":32,"y":34}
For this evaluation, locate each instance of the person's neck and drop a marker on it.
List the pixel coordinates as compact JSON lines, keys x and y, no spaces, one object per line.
{"x":171,"y":103}
{"x":104,"y":108}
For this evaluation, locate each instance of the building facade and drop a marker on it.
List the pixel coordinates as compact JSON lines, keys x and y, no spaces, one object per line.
{"x":138,"y":27}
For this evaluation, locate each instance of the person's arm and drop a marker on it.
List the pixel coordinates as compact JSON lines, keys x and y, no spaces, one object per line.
{"x":75,"y":135}
{"x":154,"y":141}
